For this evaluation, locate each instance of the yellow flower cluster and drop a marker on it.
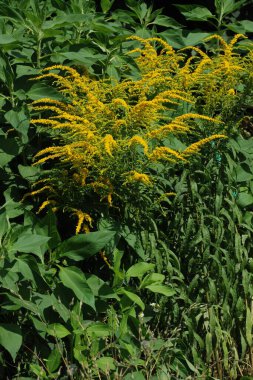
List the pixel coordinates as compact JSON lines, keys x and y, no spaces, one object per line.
{"x":110,"y":134}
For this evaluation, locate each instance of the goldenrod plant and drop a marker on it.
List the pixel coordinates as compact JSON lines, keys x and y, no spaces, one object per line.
{"x":111,"y":136}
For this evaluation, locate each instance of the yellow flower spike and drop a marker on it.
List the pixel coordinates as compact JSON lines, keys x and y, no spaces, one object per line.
{"x":120,"y":102}
{"x":134,"y":176}
{"x":236,"y":38}
{"x":82,"y":216}
{"x":197,"y":50}
{"x":187,"y":116}
{"x":48,"y":108}
{"x":164,"y":153}
{"x":139,"y":140}
{"x":161,"y":132}
{"x":219,"y":38}
{"x":85,"y":228}
{"x":51,"y":101}
{"x":45,"y":204}
{"x":109,"y":144}
{"x":195,"y":147}
{"x":109,"y":199}
{"x":69,"y":69}
{"x":44,"y":121}
{"x":36,"y":192}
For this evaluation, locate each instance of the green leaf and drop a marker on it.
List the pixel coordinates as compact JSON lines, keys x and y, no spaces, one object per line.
{"x":85,"y":56}
{"x":24,"y":303}
{"x":153,"y":278}
{"x":245,"y":26}
{"x":19,"y":121}
{"x":11,"y":338}
{"x":209,"y":346}
{"x":224,"y":7}
{"x":4,"y":224}
{"x":74,"y":279}
{"x":195,"y":38}
{"x":30,"y":243}
{"x":100,"y":288}
{"x":245,"y":199}
{"x":57,"y":330}
{"x":30,"y":173}
{"x":106,"y":5}
{"x":105,"y":363}
{"x":83,"y":246}
{"x":6,"y":39}
{"x":40,"y":90}
{"x":133,"y":297}
{"x":249,"y":324}
{"x":139,"y":269}
{"x":195,"y":12}
{"x":54,"y":360}
{"x":99,"y":330}
{"x":164,"y":20}
{"x":9,"y":148}
{"x":241,"y":175}
{"x":161,"y":289}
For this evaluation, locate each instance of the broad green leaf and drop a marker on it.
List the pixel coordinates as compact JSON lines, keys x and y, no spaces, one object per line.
{"x":30,"y":243}
{"x":241,"y":175}
{"x":22,"y":267}
{"x":161,"y":289}
{"x":74,"y":279}
{"x":6,"y":39}
{"x":153,"y":278}
{"x":85,"y":56}
{"x":9,"y":280}
{"x":195,"y":38}
{"x":245,"y":26}
{"x":134,"y":241}
{"x":83,"y":246}
{"x":19,"y":121}
{"x":139,"y":269}
{"x":224,"y":7}
{"x":24,"y":303}
{"x":25,"y":70}
{"x":40,"y":90}
{"x":30,"y":173}
{"x":100,"y":288}
{"x":11,"y":338}
{"x":195,"y":12}
{"x":57,"y":330}
{"x":99,"y":330}
{"x":13,"y":208}
{"x":245,"y":199}
{"x":54,"y":360}
{"x":164,"y":20}
{"x":9,"y":148}
{"x":105,"y":363}
{"x":133,"y":297}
